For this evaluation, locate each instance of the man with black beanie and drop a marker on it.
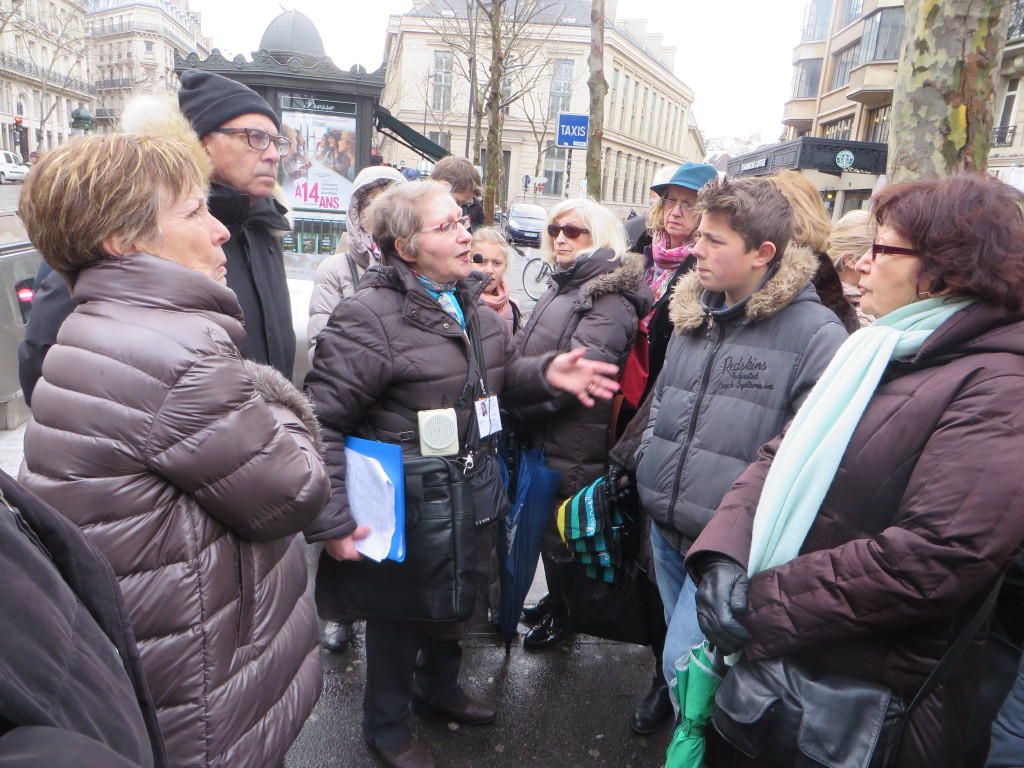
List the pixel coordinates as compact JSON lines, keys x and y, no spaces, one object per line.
{"x":231,"y":121}
{"x":240,"y":132}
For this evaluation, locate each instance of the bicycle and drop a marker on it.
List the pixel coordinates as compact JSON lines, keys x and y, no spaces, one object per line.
{"x":535,"y":277}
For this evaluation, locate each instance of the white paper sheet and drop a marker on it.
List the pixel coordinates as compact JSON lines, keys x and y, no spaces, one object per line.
{"x":371,"y":497}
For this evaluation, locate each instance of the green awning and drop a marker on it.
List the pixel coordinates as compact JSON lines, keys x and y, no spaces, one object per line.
{"x":408,"y":136}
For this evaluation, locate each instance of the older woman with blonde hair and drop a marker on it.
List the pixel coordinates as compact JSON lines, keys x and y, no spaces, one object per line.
{"x":850,"y":238}
{"x":812,"y":228}
{"x":190,"y":469}
{"x":594,"y":300}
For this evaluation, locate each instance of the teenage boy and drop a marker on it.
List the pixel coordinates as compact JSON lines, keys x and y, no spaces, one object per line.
{"x":751,"y":339}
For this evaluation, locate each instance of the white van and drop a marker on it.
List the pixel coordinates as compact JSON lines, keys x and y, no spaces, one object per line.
{"x":11,"y":167}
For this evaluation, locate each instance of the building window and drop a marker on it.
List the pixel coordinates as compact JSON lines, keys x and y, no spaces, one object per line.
{"x":1003,"y":133}
{"x":149,"y":46}
{"x":614,"y":88}
{"x":441,"y":92}
{"x":852,"y":10}
{"x":554,"y":169}
{"x":816,"y":20}
{"x":561,"y":86}
{"x":806,"y":76}
{"x":842,"y":63}
{"x":841,"y":129}
{"x":883,"y":35}
{"x":441,"y":138}
{"x":625,"y":95}
{"x":856,"y":200}
{"x":878,"y":125}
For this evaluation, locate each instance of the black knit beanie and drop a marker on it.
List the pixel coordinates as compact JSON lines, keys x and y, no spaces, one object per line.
{"x":209,"y":100}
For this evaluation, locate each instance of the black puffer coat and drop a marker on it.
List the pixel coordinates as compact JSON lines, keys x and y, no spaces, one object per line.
{"x":392,"y":340}
{"x":594,"y":304}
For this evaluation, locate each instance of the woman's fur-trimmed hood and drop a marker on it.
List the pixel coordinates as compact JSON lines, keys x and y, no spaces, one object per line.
{"x":627,"y":279}
{"x":273,"y":387}
{"x":797,"y":266}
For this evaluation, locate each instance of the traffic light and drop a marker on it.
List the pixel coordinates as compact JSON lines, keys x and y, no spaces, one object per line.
{"x":19,"y":127}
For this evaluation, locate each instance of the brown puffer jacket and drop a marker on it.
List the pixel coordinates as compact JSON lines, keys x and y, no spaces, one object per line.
{"x":148,"y":433}
{"x":926,"y":507}
{"x":593,"y":304}
{"x":392,"y":340}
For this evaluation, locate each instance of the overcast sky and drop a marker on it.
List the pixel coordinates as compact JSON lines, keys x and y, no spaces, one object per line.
{"x":735,"y":54}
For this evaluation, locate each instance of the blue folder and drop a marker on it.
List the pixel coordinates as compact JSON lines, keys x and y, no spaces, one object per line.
{"x":390,"y":457}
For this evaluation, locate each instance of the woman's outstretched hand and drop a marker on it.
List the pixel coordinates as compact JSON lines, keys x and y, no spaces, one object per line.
{"x":587,"y":379}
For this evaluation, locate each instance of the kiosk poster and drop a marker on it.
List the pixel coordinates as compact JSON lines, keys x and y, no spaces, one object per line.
{"x":317,"y":174}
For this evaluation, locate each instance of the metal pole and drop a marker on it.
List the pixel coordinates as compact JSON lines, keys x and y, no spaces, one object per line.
{"x":568,"y":170}
{"x":472,"y":76}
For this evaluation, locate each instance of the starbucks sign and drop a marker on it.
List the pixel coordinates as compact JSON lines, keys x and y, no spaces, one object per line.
{"x":845,"y":159}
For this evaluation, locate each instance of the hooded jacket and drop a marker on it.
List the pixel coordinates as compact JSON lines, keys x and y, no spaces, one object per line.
{"x":392,"y":340}
{"x":595,"y":304}
{"x":150,"y":435}
{"x":335,"y":278}
{"x":926,"y":508}
{"x":731,"y":379}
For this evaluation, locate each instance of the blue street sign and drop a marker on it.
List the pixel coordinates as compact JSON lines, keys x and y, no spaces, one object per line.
{"x":572,"y":130}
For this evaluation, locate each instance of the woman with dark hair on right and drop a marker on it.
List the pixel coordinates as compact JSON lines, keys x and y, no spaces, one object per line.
{"x":912,"y":516}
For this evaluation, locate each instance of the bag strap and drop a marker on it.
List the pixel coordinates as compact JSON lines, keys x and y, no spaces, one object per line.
{"x":354,"y":271}
{"x":959,"y":645}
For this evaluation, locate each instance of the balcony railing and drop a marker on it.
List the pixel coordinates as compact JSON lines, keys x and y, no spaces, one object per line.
{"x":1016,"y":20}
{"x":1004,"y":135}
{"x":16,"y":64}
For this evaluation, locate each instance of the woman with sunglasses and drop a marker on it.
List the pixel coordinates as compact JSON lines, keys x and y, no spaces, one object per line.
{"x":911,"y":515}
{"x":593,"y":300}
{"x":404,"y":344}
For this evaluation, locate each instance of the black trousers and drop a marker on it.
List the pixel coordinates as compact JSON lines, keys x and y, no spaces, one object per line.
{"x":402,"y":663}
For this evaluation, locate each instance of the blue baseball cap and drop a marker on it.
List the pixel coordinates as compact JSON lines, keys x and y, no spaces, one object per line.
{"x":690,"y":175}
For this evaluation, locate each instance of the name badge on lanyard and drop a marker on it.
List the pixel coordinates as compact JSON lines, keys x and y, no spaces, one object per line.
{"x":488,"y":416}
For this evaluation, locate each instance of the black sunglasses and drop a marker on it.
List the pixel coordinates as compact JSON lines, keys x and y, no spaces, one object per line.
{"x":894,"y":250}
{"x":571,"y":231}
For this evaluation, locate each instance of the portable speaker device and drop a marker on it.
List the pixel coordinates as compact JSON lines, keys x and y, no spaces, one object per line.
{"x":439,"y":432}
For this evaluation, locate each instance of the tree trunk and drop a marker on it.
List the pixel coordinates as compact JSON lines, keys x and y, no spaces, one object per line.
{"x":945,"y":87}
{"x":598,"y":89}
{"x":493,"y":108}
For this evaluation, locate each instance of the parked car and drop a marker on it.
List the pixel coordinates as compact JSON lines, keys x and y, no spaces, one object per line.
{"x":522,"y":223}
{"x":11,"y":167}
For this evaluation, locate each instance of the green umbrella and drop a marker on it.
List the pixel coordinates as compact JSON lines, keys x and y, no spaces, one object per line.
{"x":698,"y":677}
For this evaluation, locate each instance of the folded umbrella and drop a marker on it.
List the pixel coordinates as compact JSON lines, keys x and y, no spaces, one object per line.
{"x":523,"y":529}
{"x":699,"y":675}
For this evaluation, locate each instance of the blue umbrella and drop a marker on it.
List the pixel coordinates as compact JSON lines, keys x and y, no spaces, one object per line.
{"x":523,"y":528}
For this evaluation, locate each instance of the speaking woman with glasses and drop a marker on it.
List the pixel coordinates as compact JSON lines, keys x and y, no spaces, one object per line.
{"x":593,"y":300}
{"x":416,"y":338}
{"x":894,"y":536}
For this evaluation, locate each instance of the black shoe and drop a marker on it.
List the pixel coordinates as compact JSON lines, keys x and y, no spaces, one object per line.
{"x":654,"y":709}
{"x":534,"y":613}
{"x":548,"y":633}
{"x":335,"y":636}
{"x":467,"y":709}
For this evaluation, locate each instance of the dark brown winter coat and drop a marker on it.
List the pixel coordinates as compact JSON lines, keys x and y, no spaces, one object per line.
{"x":149,"y":434}
{"x":925,"y":509}
{"x":391,"y":340}
{"x":593,"y":304}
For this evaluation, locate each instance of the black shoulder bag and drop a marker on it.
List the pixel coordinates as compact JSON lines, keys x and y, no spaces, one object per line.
{"x":445,"y":499}
{"x":776,"y":709}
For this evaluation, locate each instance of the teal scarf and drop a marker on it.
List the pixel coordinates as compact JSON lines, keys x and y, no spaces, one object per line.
{"x":809,"y":454}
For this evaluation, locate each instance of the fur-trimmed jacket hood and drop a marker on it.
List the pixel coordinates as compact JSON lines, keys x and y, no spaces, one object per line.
{"x":691,"y":306}
{"x":596,"y":304}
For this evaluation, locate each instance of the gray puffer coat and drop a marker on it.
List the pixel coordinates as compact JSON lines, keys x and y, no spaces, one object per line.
{"x":593,"y":304}
{"x":150,"y":435}
{"x":731,"y":380}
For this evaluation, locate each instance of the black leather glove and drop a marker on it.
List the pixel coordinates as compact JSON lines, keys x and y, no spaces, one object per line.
{"x":721,"y":597}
